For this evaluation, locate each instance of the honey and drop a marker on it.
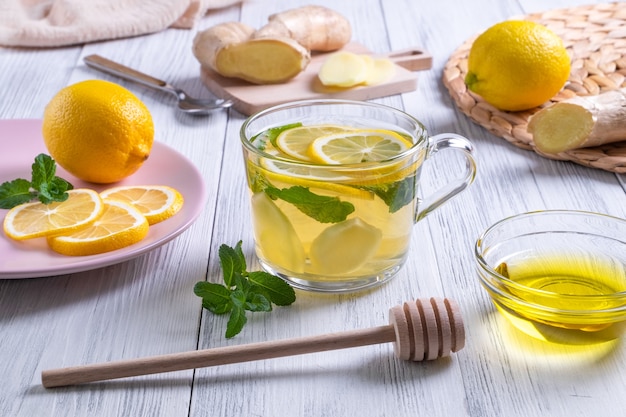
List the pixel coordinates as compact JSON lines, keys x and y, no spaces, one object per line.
{"x":575,"y":292}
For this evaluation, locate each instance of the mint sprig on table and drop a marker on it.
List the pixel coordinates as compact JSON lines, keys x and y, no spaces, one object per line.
{"x":242,"y":290}
{"x":44,"y":185}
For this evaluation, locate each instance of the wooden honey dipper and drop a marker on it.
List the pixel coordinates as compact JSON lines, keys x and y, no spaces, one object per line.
{"x":424,"y":329}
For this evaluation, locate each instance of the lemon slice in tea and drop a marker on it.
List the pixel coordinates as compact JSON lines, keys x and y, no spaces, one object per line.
{"x":295,"y":142}
{"x":284,"y":174}
{"x":358,"y":146}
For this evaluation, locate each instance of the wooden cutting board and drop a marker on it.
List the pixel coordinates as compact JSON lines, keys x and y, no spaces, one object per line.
{"x":250,"y":98}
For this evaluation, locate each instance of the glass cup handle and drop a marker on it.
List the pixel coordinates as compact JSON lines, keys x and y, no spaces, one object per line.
{"x":456,"y":143}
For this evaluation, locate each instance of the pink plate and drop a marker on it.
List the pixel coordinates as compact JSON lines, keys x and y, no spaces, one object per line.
{"x":21,"y":141}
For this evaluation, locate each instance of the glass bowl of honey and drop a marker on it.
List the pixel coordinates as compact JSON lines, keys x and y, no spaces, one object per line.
{"x":557,"y":274}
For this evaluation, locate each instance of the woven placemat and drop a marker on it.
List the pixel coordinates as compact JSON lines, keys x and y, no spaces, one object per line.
{"x":595,"y":37}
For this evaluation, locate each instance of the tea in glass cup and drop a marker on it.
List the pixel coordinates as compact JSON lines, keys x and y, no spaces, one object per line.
{"x":333,"y":189}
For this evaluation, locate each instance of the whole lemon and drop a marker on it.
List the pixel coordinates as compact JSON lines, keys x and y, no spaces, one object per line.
{"x":517,"y":65}
{"x":98,"y":131}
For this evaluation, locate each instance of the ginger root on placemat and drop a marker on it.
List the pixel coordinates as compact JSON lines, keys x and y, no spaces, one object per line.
{"x":580,"y":122}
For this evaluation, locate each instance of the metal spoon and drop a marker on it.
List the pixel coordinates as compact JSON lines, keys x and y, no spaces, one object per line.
{"x":187,"y":104}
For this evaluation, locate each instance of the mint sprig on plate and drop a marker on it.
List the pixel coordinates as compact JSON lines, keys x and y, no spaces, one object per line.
{"x":242,"y":290}
{"x":44,"y":185}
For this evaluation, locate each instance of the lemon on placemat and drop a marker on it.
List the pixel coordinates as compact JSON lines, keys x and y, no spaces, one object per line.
{"x":30,"y":220}
{"x":155,"y":202}
{"x":517,"y":65}
{"x":98,"y":131}
{"x":119,"y":226}
{"x":358,"y":146}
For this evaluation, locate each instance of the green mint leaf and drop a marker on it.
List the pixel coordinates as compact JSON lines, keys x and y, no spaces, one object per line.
{"x":236,"y":321}
{"x":252,"y":291}
{"x":16,"y":192}
{"x":215,"y":297}
{"x":255,"y":180}
{"x":231,"y":263}
{"x":396,"y":194}
{"x":260,"y":140}
{"x":241,"y":256}
{"x":238,"y":297}
{"x":324,"y":209}
{"x":278,"y":291}
{"x":258,"y":183}
{"x":257,"y":301}
{"x":43,"y":171}
{"x":46,"y":185}
{"x":242,"y":284}
{"x":55,"y":190}
{"x":275,"y":131}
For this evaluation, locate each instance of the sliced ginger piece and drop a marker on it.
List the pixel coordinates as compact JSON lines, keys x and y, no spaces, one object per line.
{"x":344,"y":247}
{"x":229,"y":50}
{"x":580,"y":122}
{"x":278,"y":51}
{"x":379,"y":70}
{"x":343,"y":69}
{"x":208,"y":43}
{"x":275,"y":235}
{"x":263,"y":61}
{"x":347,"y":69}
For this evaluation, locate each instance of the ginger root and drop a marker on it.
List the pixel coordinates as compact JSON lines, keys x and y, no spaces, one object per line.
{"x":228,"y":49}
{"x":580,"y":122}
{"x":275,"y":53}
{"x":317,"y":28}
{"x":347,"y":69}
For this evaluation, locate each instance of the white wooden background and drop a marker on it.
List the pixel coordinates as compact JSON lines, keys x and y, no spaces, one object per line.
{"x":146,"y":306}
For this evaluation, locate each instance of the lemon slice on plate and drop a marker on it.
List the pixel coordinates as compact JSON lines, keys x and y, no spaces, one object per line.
{"x":119,"y":226}
{"x":82,"y":208}
{"x":358,"y":146}
{"x":295,"y":142}
{"x":155,"y":202}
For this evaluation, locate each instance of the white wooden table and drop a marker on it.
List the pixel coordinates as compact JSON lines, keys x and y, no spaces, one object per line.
{"x":146,"y":306}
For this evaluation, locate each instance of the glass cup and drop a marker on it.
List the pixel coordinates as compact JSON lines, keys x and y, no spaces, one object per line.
{"x":340,"y":227}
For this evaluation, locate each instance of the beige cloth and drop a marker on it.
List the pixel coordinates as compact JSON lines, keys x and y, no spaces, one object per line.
{"x":49,"y":23}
